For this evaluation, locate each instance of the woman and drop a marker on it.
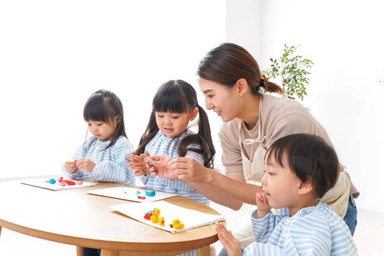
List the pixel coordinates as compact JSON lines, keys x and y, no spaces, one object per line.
{"x":233,"y":86}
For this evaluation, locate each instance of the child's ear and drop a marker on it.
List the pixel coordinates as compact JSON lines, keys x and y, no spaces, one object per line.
{"x":305,"y":187}
{"x":193,"y":114}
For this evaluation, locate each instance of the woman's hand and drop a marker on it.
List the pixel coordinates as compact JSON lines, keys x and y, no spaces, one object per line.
{"x":160,"y":165}
{"x":188,"y":169}
{"x":230,"y":243}
{"x":183,"y":168}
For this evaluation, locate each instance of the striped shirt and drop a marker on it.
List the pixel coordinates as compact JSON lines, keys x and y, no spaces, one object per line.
{"x":316,"y":230}
{"x":111,"y":164}
{"x":161,"y":145}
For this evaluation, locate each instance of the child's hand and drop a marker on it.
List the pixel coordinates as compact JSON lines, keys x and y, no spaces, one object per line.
{"x":85,"y":164}
{"x":263,"y":206}
{"x":230,"y":243}
{"x":70,"y":166}
{"x":138,"y":164}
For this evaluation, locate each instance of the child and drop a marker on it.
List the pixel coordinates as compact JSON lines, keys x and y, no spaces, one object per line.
{"x":300,"y":169}
{"x":102,"y":156}
{"x":167,"y":134}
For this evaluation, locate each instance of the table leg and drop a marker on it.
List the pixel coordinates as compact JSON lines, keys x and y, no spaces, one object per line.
{"x":109,"y":253}
{"x":204,"y":251}
{"x":79,"y":251}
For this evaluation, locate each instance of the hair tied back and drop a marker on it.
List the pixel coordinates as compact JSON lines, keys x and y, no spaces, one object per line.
{"x":264,"y":81}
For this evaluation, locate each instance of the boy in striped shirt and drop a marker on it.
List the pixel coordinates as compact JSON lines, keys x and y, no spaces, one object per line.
{"x":300,"y":169}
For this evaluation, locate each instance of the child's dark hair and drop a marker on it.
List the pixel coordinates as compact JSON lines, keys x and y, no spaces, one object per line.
{"x":178,"y":96}
{"x":310,"y":158}
{"x":103,"y":106}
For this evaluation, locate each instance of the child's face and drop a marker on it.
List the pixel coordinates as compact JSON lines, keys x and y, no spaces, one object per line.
{"x":103,"y":131}
{"x":281,"y":185}
{"x":172,"y":124}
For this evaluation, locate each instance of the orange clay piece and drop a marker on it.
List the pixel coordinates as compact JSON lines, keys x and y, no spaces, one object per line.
{"x":161,"y":221}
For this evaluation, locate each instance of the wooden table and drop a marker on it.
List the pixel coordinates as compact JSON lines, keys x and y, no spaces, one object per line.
{"x":84,"y":220}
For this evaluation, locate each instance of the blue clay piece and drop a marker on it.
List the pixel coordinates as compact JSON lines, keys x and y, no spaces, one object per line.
{"x":51,"y":181}
{"x":150,"y":193}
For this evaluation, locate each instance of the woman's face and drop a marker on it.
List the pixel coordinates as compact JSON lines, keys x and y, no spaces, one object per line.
{"x":220,"y":99}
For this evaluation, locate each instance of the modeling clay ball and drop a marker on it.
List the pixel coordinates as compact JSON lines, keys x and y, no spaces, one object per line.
{"x":154,"y":218}
{"x":176,"y":224}
{"x":79,"y":182}
{"x":148,"y":215}
{"x":150,"y":193}
{"x":141,"y":197}
{"x":156,"y":211}
{"x":63,"y":184}
{"x":161,"y":221}
{"x":51,"y":181}
{"x":70,"y":182}
{"x":180,"y":226}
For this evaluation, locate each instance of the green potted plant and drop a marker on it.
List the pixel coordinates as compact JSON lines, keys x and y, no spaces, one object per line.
{"x":292,"y":70}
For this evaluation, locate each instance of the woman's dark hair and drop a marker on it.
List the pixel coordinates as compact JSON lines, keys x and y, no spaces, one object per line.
{"x":178,"y":96}
{"x":310,"y":158}
{"x":229,"y":62}
{"x":104,"y":106}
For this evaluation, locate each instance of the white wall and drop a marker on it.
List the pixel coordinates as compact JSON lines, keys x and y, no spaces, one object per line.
{"x":54,"y":54}
{"x":345,"y":40}
{"x":244,"y":24}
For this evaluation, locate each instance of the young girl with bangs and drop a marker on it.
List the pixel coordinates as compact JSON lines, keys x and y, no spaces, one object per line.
{"x":102,"y":157}
{"x":167,"y":134}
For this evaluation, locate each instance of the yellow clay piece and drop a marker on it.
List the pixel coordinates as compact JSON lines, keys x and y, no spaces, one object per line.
{"x":154,"y":218}
{"x":156,"y":212}
{"x":161,"y":221}
{"x":176,"y":224}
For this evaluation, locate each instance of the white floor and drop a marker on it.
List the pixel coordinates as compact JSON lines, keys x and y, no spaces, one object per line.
{"x":369,"y":237}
